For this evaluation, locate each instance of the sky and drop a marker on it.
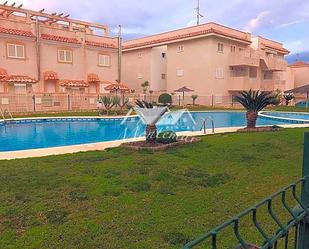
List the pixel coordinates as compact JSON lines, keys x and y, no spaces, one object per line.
{"x":286,"y":21}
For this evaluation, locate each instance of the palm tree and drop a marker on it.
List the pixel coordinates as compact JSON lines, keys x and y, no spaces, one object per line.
{"x":151,"y":128}
{"x":288,"y":97}
{"x":253,"y":102}
{"x":194,"y":97}
{"x":145,"y":86}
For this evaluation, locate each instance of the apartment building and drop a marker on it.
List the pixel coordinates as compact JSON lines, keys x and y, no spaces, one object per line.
{"x":301,"y":73}
{"x":52,"y":53}
{"x":211,"y":59}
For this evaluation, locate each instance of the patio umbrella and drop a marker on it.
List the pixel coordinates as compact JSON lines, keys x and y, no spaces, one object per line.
{"x":302,"y":89}
{"x":183,"y":90}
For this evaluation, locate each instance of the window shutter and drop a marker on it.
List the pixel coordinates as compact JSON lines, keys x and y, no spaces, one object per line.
{"x":61,"y":55}
{"x":11,"y":50}
{"x":68,"y":56}
{"x":20,"y":53}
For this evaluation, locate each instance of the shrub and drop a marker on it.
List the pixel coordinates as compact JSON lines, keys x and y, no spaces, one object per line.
{"x":167,"y":137}
{"x":165,"y":99}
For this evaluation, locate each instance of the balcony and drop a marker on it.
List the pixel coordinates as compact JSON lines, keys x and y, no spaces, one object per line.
{"x":244,"y":58}
{"x":272,"y":84}
{"x":243,"y":83}
{"x":275,"y":63}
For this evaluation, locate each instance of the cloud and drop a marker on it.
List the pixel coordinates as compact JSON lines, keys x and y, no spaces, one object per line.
{"x":145,"y":17}
{"x":258,"y":21}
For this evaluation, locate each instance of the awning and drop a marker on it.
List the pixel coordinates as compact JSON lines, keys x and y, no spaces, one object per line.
{"x":19,"y":79}
{"x":117,"y":87}
{"x":93,"y":78}
{"x":3,"y":73}
{"x":50,"y":75}
{"x":301,"y":89}
{"x":73,"y":83}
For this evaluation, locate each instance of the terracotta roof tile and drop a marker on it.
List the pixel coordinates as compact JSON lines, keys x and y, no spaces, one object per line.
{"x":19,"y":79}
{"x":3,"y":73}
{"x":117,"y":87}
{"x":100,"y":44}
{"x":299,"y":64}
{"x":187,"y":33}
{"x":16,"y":32}
{"x":93,"y":78}
{"x":59,"y":38}
{"x":50,"y":75}
{"x":281,"y":49}
{"x":73,"y":83}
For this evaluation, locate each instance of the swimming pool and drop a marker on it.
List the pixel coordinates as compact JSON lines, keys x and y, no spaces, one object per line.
{"x":53,"y":132}
{"x":292,"y":117}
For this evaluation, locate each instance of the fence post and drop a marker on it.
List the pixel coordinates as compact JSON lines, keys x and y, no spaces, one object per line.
{"x":304,"y":226}
{"x":212,"y":100}
{"x":69,"y":102}
{"x":33,"y":99}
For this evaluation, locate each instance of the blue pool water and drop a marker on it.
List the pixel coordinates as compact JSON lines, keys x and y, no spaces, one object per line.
{"x":289,"y":115}
{"x":32,"y":134}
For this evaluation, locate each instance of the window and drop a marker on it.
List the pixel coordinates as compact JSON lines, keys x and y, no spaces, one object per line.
{"x":220,"y":47}
{"x":65,"y":56}
{"x":163,"y":76}
{"x":163,"y":55}
{"x":219,"y":73}
{"x":233,"y":49}
{"x":139,"y":75}
{"x":16,"y":51}
{"x":20,"y":88}
{"x":139,"y":55}
{"x":104,"y":60}
{"x":180,"y":49}
{"x":179,"y":73}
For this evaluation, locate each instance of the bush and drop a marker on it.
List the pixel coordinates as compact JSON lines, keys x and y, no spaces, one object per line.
{"x":167,"y":137}
{"x":165,"y":99}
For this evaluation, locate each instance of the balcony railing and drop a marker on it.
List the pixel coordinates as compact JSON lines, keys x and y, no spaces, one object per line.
{"x":274,"y":63}
{"x":272,"y":84}
{"x":243,"y":83}
{"x":244,"y":58}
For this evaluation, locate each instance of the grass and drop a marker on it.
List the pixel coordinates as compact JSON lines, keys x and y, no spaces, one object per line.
{"x":124,"y":199}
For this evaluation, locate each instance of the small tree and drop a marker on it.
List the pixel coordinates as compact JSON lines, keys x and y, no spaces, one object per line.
{"x":288,"y":97}
{"x":165,"y":99}
{"x":253,"y":102}
{"x":109,"y":102}
{"x":145,"y":86}
{"x":194,"y":97}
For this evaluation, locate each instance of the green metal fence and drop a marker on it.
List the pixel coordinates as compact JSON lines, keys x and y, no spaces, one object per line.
{"x":290,"y":233}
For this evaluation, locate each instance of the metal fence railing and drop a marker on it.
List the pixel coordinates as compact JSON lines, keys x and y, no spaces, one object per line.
{"x":290,"y":225}
{"x":57,"y":102}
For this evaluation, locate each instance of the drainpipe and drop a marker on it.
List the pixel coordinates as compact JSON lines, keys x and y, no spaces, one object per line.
{"x":119,"y":53}
{"x":38,"y":54}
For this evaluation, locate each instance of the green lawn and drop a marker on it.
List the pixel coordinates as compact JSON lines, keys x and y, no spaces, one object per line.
{"x":124,"y":199}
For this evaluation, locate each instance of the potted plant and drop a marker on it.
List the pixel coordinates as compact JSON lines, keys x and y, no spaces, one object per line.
{"x":254,"y":102}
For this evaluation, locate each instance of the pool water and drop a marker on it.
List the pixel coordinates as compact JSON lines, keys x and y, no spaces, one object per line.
{"x":33,"y":134}
{"x":289,"y":115}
